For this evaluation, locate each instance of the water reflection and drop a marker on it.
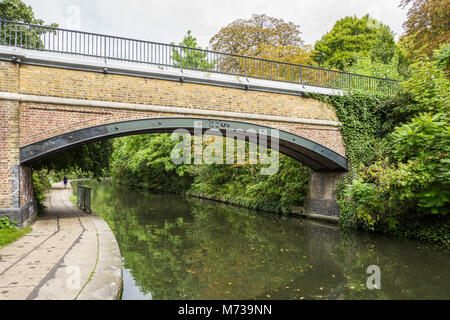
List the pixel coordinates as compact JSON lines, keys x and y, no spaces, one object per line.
{"x":176,"y":248}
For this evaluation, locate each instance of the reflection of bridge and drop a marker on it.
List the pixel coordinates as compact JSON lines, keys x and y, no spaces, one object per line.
{"x":61,"y":88}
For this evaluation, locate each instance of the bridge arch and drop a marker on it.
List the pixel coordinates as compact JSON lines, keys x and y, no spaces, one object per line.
{"x":312,"y":154}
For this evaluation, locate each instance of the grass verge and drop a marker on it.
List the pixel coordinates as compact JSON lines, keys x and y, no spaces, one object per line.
{"x":8,"y":236}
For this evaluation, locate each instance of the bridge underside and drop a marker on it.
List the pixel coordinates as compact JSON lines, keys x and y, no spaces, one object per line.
{"x":311,"y":154}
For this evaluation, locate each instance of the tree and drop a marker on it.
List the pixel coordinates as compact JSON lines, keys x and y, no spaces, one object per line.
{"x":427,"y":25}
{"x":289,"y":54}
{"x":16,"y":10}
{"x":427,"y":89}
{"x":266,"y":38}
{"x":89,"y":159}
{"x":366,"y":66}
{"x":442,"y":57}
{"x":262,"y":36}
{"x":145,"y":161}
{"x":350,"y":36}
{"x":191,"y":58}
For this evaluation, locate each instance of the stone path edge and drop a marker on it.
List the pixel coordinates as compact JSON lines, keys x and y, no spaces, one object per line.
{"x":105,"y":282}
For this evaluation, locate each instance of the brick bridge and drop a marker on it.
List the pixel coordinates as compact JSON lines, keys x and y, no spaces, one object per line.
{"x":51,"y":100}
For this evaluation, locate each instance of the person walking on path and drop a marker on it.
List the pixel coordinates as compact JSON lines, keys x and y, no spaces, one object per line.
{"x":65,"y":181}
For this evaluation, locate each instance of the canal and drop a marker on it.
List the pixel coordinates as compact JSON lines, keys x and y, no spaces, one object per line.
{"x":185,"y":248}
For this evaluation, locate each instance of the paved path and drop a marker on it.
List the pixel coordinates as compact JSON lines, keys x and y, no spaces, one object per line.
{"x":68,"y":255}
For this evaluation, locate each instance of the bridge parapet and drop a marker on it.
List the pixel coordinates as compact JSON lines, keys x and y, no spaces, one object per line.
{"x":78,"y":43}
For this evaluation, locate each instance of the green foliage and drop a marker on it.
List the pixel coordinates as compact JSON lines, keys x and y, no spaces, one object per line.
{"x":90,"y":159}
{"x":351,"y":36}
{"x":442,"y":57}
{"x":9,"y":232}
{"x":427,"y":89}
{"x":424,"y":145}
{"x":8,"y":236}
{"x":188,"y":58}
{"x":435,"y":228}
{"x":425,"y":135}
{"x":145,"y":161}
{"x":7,"y":224}
{"x":243,"y":185}
{"x":365,"y":65}
{"x":16,"y":10}
{"x":399,"y":149}
{"x":41,"y":184}
{"x":366,"y":118}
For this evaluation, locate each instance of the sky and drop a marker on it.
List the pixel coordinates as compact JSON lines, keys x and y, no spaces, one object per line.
{"x":168,"y":20}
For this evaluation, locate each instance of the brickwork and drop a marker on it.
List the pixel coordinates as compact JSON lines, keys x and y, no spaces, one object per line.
{"x":9,"y":154}
{"x":9,"y":77}
{"x":95,"y":86}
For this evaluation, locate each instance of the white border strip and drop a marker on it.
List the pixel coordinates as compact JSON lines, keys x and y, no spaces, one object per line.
{"x":163,"y":109}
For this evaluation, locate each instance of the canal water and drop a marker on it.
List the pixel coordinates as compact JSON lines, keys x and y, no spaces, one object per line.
{"x":183,"y":248}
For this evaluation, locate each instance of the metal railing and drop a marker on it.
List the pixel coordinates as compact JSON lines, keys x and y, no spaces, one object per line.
{"x":84,"y":198}
{"x":80,"y":43}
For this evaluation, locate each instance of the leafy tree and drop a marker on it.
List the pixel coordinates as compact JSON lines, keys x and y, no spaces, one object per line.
{"x":442,"y":57}
{"x":427,"y":25}
{"x":91,"y":159}
{"x":16,"y":10}
{"x":365,"y":65}
{"x":350,"y":36}
{"x":427,"y":89}
{"x":189,"y":58}
{"x":289,"y":54}
{"x":145,"y":161}
{"x":264,"y":37}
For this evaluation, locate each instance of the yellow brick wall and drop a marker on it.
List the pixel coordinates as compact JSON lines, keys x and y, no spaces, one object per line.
{"x":109,"y":87}
{"x":9,"y":77}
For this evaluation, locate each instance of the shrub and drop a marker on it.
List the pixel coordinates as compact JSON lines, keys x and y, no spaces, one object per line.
{"x":7,"y":224}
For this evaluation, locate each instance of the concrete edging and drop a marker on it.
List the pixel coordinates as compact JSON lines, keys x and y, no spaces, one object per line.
{"x":105,"y":282}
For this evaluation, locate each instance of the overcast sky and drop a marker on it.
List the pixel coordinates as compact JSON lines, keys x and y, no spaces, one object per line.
{"x":168,"y":20}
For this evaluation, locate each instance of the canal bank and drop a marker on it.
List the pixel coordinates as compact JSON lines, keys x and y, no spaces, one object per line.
{"x":68,"y":255}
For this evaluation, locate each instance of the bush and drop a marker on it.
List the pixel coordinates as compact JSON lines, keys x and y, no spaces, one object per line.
{"x":7,"y":224}
{"x":41,"y":184}
{"x":400,"y":156}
